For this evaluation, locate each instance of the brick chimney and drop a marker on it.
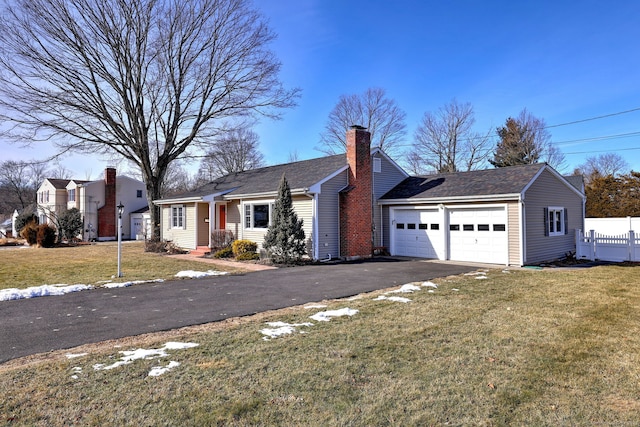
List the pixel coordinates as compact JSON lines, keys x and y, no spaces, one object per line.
{"x":356,"y":227}
{"x":107,"y":213}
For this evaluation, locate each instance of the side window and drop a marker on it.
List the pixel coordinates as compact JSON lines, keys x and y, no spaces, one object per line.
{"x":178,"y":216}
{"x":555,"y":221}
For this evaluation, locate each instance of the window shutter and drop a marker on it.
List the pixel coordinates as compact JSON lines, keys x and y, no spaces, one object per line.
{"x":566,"y":222}
{"x":184,"y":217}
{"x":546,"y":221}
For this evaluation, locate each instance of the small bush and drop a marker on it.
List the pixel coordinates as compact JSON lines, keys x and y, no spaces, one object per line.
{"x":46,"y":236}
{"x":224,"y":253}
{"x":155,"y":245}
{"x":29,"y":232}
{"x":240,"y":247}
{"x":248,"y":256}
{"x":221,"y":239}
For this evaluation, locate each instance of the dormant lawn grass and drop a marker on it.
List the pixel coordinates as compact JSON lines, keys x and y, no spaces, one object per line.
{"x":87,"y":264}
{"x":542,"y":348}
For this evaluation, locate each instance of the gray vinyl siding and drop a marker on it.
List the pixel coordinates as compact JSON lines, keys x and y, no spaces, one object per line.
{"x":329,"y":216}
{"x":383,"y":181}
{"x":303,"y":206}
{"x":547,"y":191}
{"x":513,"y":228}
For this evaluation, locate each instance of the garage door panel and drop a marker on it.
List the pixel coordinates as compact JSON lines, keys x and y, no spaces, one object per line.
{"x":478,"y":234}
{"x":414,"y":237}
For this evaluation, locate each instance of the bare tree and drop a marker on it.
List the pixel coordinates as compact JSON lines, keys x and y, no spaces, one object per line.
{"x":607,"y":164}
{"x":525,"y":140}
{"x":19,"y":182}
{"x":235,"y":151}
{"x":146,"y":80}
{"x":446,"y":142}
{"x":373,"y":110}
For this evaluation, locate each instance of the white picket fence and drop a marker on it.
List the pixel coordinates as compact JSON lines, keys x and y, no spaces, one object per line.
{"x":596,"y":246}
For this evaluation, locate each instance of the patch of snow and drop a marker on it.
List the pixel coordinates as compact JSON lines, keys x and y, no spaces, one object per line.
{"x":481,"y":277}
{"x":199,"y":274}
{"x":73,"y":356}
{"x":406,"y":289}
{"x":394,"y":299}
{"x":156,"y":371}
{"x":141,"y":353}
{"x":455,"y":289}
{"x":429,"y":285}
{"x":315,"y":306}
{"x":325,"y":316}
{"x":281,"y":329}
{"x":40,"y":291}
{"x":111,"y":285}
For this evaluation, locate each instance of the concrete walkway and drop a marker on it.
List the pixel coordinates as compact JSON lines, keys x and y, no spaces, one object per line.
{"x":249,"y":266}
{"x":39,"y":325}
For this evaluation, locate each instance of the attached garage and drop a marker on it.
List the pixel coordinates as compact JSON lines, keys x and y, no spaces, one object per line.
{"x":493,"y":216}
{"x":478,"y":235}
{"x":417,"y":233}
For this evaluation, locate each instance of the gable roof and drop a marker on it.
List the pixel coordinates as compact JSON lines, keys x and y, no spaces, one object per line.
{"x":300,"y":176}
{"x":59,"y":184}
{"x":489,"y":182}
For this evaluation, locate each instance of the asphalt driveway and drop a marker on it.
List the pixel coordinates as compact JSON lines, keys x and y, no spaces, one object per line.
{"x":39,"y":325}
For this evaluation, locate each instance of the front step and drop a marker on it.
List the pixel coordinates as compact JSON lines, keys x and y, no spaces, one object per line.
{"x":200,"y":251}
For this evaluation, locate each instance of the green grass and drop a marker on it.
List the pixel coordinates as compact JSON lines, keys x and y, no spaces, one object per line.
{"x":542,"y":348}
{"x":87,"y":264}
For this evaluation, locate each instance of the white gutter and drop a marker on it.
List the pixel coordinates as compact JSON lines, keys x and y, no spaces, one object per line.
{"x":489,"y":198}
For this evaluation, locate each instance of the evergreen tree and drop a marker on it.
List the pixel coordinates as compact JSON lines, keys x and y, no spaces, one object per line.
{"x":285,"y":238}
{"x":70,"y":224}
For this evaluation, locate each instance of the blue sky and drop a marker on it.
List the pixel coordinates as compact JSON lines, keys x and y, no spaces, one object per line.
{"x":564,"y":61}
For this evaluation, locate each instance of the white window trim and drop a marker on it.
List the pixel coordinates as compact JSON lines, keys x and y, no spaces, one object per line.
{"x":251,"y":220}
{"x":554,"y":210}
{"x":174,"y":220}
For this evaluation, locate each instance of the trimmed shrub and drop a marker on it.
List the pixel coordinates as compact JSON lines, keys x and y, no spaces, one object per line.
{"x":70,"y":222}
{"x":285,"y":238}
{"x":46,"y":236}
{"x":29,"y":232}
{"x":224,"y":253}
{"x":248,"y":256}
{"x":240,"y":247}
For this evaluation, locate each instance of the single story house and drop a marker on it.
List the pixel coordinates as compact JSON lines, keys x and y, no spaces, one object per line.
{"x":352,"y":204}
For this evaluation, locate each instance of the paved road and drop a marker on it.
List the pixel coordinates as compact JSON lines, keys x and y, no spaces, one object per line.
{"x":38,"y":325}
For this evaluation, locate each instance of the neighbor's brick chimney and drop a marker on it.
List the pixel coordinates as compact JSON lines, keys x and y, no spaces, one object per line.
{"x":107,"y":213}
{"x":356,"y":228}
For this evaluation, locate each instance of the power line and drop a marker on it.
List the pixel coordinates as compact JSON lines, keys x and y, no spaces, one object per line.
{"x":604,"y":151}
{"x":593,"y":118}
{"x":599,"y":138}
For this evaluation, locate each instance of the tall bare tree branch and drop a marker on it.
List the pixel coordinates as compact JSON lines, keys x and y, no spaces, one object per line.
{"x":147,"y":80}
{"x":373,"y":110}
{"x":446,"y":142}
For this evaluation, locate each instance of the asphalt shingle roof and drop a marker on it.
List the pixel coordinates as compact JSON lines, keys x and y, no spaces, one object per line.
{"x":507,"y":180}
{"x":59,"y":183}
{"x":300,"y":175}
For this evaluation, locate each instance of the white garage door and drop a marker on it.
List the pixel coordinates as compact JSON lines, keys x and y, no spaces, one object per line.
{"x":478,"y":235}
{"x":417,"y":233}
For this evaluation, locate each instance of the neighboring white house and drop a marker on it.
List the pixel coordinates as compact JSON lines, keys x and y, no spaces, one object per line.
{"x":97,"y":202}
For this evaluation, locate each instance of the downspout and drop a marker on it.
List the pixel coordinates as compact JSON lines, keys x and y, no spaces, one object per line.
{"x":381,"y":226}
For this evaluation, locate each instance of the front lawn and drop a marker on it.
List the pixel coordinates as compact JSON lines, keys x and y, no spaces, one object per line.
{"x":501,"y":348}
{"x":86,"y":264}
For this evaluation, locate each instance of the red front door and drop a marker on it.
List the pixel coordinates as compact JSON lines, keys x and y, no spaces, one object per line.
{"x":222,"y":217}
